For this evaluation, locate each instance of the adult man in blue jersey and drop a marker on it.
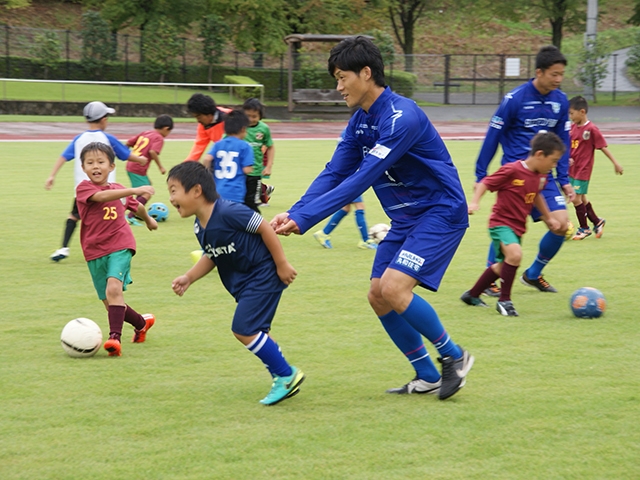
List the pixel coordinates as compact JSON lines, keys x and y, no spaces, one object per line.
{"x":534,"y":107}
{"x":390,"y":144}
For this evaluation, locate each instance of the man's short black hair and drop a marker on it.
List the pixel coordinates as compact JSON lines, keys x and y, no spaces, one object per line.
{"x":548,"y":142}
{"x":98,"y":147}
{"x":255,"y":105}
{"x":163,"y":121}
{"x":190,"y":174}
{"x":235,"y":121}
{"x":201,"y":104}
{"x":579,"y":103}
{"x":549,"y":56}
{"x":353,"y":54}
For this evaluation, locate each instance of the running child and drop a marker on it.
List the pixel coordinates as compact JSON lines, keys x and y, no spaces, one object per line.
{"x":259,"y":137}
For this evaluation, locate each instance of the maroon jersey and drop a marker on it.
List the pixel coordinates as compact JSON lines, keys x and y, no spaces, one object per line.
{"x":517,"y":187}
{"x":140,"y":145}
{"x":585,"y":139}
{"x":104,"y":227}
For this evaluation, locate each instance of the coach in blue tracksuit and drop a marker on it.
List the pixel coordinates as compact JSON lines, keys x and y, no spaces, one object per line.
{"x":534,"y":107}
{"x":390,"y":144}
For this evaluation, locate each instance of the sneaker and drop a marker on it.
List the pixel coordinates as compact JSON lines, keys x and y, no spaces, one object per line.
{"x":284,"y":387}
{"x":113,"y":347}
{"x":492,"y":291}
{"x":599,"y":228}
{"x":454,"y":373}
{"x":539,"y":283}
{"x":269,"y":191}
{"x":139,"y":336}
{"x":368,"y":245}
{"x":473,"y":301}
{"x":417,"y":385}
{"x":60,"y":254}
{"x":582,"y":233}
{"x":133,"y":222}
{"x":506,"y":308}
{"x":324,"y":240}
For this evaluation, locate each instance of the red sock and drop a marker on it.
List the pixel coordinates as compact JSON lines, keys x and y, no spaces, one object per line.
{"x":484,"y":282}
{"x":581,"y":213}
{"x":591,"y":214}
{"x":507,"y":274}
{"x":134,"y":318}
{"x":116,"y":320}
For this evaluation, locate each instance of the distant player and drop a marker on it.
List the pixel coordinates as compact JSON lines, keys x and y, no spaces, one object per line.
{"x":536,"y":106}
{"x":97,"y":116}
{"x":585,"y":140}
{"x":259,"y":137}
{"x":251,"y":264}
{"x":210,"y":123}
{"x":518,"y":185}
{"x":147,"y":144}
{"x":107,"y":241}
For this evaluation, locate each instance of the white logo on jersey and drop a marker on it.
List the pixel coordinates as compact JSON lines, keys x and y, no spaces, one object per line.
{"x":228,"y":165}
{"x":216,"y":252}
{"x":380,"y":151}
{"x":396,"y":115}
{"x":555,"y":106}
{"x":586,"y":134}
{"x":567,"y":125}
{"x":410,"y":260}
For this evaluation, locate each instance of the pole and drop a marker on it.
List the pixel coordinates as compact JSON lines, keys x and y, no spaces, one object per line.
{"x":590,"y":39}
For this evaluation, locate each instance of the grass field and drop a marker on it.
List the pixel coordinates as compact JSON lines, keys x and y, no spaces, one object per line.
{"x":550,"y":396}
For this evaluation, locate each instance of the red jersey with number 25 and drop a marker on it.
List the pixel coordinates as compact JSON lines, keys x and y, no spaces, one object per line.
{"x":140,"y":145}
{"x":104,"y":228}
{"x":585,"y":139}
{"x":517,"y":187}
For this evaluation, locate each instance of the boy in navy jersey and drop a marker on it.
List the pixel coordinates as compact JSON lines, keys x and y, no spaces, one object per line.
{"x":518,"y":185}
{"x":390,"y":144}
{"x":536,"y":106}
{"x":251,"y":265}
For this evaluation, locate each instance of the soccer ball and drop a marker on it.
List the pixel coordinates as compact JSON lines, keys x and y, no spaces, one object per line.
{"x":571,"y":231}
{"x":378,"y":232}
{"x":159,"y":211}
{"x":588,"y":302}
{"x":81,"y":338}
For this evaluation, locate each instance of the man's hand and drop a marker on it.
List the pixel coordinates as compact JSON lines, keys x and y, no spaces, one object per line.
{"x":569,"y":192}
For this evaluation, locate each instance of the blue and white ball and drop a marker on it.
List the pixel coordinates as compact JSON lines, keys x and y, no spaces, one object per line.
{"x":159,"y":211}
{"x":588,"y":302}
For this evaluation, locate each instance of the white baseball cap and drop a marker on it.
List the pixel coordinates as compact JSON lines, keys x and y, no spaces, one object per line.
{"x":94,"y":111}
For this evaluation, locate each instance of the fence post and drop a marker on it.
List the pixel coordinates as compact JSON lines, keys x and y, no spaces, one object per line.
{"x":184,"y":60}
{"x":281,"y":76}
{"x":7,"y":51}
{"x":447,"y":66}
{"x":67,"y":32}
{"x":615,"y":71}
{"x":126,"y":57}
{"x":391,"y":75}
{"x":501,"y":77}
{"x":236,"y":54}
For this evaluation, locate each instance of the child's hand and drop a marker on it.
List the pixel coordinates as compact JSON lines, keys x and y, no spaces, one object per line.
{"x":163,"y":170}
{"x":618,"y":168}
{"x":180,"y":285}
{"x":151,"y":223}
{"x":287,"y":273}
{"x":473,"y":207}
{"x":570,"y":161}
{"x":143,"y":160}
{"x":553,"y":224}
{"x":145,"y":189}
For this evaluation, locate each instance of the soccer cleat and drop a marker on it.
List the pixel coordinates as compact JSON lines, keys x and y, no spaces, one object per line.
{"x":539,"y":283}
{"x":113,"y":347}
{"x":417,"y":385}
{"x":582,"y":233}
{"x":599,"y":228}
{"x":139,"y":336}
{"x":133,"y":222}
{"x":493,"y":290}
{"x":473,"y":301}
{"x":454,"y":373}
{"x":269,"y":191}
{"x":368,"y":245}
{"x":60,"y":254}
{"x":324,"y":240}
{"x":506,"y":308}
{"x":284,"y":387}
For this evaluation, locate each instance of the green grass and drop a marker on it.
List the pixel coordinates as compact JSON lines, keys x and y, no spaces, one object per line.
{"x":550,"y":396}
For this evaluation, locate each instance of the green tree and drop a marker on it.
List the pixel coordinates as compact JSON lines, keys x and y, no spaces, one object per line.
{"x":46,"y":48}
{"x":161,"y":46}
{"x":98,"y":46}
{"x":561,"y":14}
{"x":15,"y":3}
{"x":633,"y":60}
{"x":214,"y":33}
{"x":635,"y":19}
{"x":592,"y":66}
{"x":384,"y":42}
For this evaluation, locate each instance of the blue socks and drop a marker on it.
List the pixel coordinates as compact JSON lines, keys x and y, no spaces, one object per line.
{"x":268,"y":351}
{"x":549,"y":245}
{"x":334,"y":221}
{"x":362,"y":225}
{"x":410,"y":343}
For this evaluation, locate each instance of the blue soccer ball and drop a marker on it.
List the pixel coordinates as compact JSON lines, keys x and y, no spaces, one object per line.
{"x":159,"y":211}
{"x":588,"y":302}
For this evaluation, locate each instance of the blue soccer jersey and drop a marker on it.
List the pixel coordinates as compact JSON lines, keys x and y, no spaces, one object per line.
{"x":524,"y":112}
{"x":230,"y":156}
{"x":231,"y":241}
{"x":394,"y":148}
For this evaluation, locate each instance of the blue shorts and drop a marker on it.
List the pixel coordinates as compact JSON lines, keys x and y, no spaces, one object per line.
{"x":422,"y":250}
{"x":555,"y":200}
{"x":358,"y":199}
{"x":255,"y":312}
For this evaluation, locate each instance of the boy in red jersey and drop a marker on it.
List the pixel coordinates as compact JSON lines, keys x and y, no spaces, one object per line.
{"x":107,"y":241}
{"x":585,"y":139}
{"x":149,"y":144}
{"x":517,"y":184}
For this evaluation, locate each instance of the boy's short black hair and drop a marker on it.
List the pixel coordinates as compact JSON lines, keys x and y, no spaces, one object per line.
{"x":353,"y":54}
{"x":190,"y":174}
{"x":201,"y":104}
{"x":98,"y":147}
{"x":235,"y":121}
{"x":549,"y":56}
{"x":548,"y":142}
{"x":163,"y":121}
{"x":579,"y":103}
{"x":255,"y":105}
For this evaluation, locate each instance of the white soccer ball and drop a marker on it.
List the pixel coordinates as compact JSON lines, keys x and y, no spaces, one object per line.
{"x":378,"y":232}
{"x":81,"y":338}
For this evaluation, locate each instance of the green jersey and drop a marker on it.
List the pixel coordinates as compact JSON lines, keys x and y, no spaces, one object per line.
{"x":258,"y":136}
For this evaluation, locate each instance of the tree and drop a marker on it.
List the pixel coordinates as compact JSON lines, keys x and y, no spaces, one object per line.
{"x":593,"y":66}
{"x":635,"y":19}
{"x":97,"y":43}
{"x":561,"y":14}
{"x":633,"y":61}
{"x":15,"y":3}
{"x":161,"y":46}
{"x":46,"y":48}
{"x":214,"y":33}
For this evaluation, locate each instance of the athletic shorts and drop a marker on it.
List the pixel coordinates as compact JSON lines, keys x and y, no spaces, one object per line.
{"x":581,"y":187}
{"x":504,"y":235}
{"x":555,"y":200}
{"x":358,"y":199}
{"x":116,"y":265}
{"x":255,"y":312}
{"x":138,"y":180}
{"x":254,"y":190}
{"x":422,"y":250}
{"x":74,"y":209}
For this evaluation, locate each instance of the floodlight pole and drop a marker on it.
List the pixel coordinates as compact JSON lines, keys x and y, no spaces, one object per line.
{"x":590,"y":37}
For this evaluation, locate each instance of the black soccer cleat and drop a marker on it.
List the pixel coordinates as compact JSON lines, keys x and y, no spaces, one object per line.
{"x":417,"y":385}
{"x":539,"y":283}
{"x":473,"y":301}
{"x":506,"y":308}
{"x":454,"y":373}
